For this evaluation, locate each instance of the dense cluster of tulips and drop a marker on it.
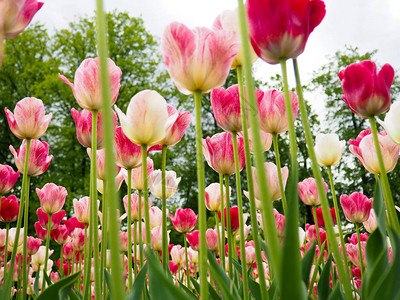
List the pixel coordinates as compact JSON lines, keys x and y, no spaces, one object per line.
{"x":279,"y":259}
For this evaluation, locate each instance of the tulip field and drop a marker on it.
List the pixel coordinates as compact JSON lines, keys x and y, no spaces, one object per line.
{"x":255,"y":249}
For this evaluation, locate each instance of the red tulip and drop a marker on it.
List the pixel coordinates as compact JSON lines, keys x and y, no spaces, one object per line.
{"x":234,"y":218}
{"x":73,"y":223}
{"x":128,"y":155}
{"x":279,"y":29}
{"x":56,"y":218}
{"x":193,"y":239}
{"x":7,"y":178}
{"x":320,"y":217}
{"x":9,"y":209}
{"x":198,"y":59}
{"x":40,"y":232}
{"x":308,"y":191}
{"x":52,"y":197}
{"x":367,"y":91}
{"x":356,"y":207}
{"x":39,"y":158}
{"x":184,"y":220}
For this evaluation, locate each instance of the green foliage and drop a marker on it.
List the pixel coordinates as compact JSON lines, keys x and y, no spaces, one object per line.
{"x":60,"y":289}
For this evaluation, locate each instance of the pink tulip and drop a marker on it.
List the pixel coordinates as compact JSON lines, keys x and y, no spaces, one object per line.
{"x":56,"y":218}
{"x":272,"y":111}
{"x":266,"y":140}
{"x":193,"y":239}
{"x":311,"y":234}
{"x":61,"y":234}
{"x":52,"y":197}
{"x":178,"y":254}
{"x":218,"y":152}
{"x":135,"y":206}
{"x":354,"y":239}
{"x":16,"y":16}
{"x":184,"y":220}
{"x":155,"y":217}
{"x":78,"y":239}
{"x":199,"y":59}
{"x":212,"y":239}
{"x":280,"y":222}
{"x":137,"y":175}
{"x":101,"y":163}
{"x":371,"y":223}
{"x":32,"y":245}
{"x":29,"y":120}
{"x":367,"y":92}
{"x":353,"y":254}
{"x":9,"y":209}
{"x":364,"y":149}
{"x":123,"y":241}
{"x":7,"y":179}
{"x":68,"y":250}
{"x":40,"y":232}
{"x":82,"y":208}
{"x":173,"y":267}
{"x":250,"y":254}
{"x":86,"y":86}
{"x":156,"y":238}
{"x":171,"y":184}
{"x":145,"y":122}
{"x":280,"y":29}
{"x":118,"y":182}
{"x":308,"y":191}
{"x":127,"y":154}
{"x":213,"y":196}
{"x":39,"y":158}
{"x":356,"y":207}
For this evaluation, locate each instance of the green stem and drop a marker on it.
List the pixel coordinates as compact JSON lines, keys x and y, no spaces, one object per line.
{"x":314,"y":275}
{"x":25,"y":250}
{"x":61,"y":270}
{"x":141,"y":254}
{"x":228,"y":227}
{"x":135,"y":249}
{"x":321,"y":190}
{"x":222,"y":248}
{"x":129,"y":224}
{"x":6,"y":248}
{"x":86,"y":267}
{"x":104,"y":229}
{"x":360,"y":251}
{"x":187,"y":262}
{"x":117,"y":282}
{"x":317,"y":227}
{"x":241,"y":222}
{"x":339,"y":223}
{"x":394,"y":221}
{"x":218,"y":231}
{"x":165,"y":256}
{"x":201,"y":199}
{"x":46,"y":258}
{"x":146,"y":197}
{"x":278,"y":165}
{"x":270,"y":233}
{"x":253,"y":208}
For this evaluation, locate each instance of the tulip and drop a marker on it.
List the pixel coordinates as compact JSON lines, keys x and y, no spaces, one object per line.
{"x":280,"y":222}
{"x":266,"y":140}
{"x":178,"y":254}
{"x":193,"y":255}
{"x":11,"y":238}
{"x":82,"y":208}
{"x":173,"y":267}
{"x":156,"y":238}
{"x":61,"y":234}
{"x":366,"y":91}
{"x":87,"y":87}
{"x":250,"y":254}
{"x":73,"y":223}
{"x":320,"y":217}
{"x":308,"y":191}
{"x":118,"y":182}
{"x":146,"y":119}
{"x":137,"y":175}
{"x":356,"y":207}
{"x":280,"y":29}
{"x":228,"y":21}
{"x":68,"y":251}
{"x":354,"y":239}
{"x":7,"y":178}
{"x":218,"y":152}
{"x":391,"y":123}
{"x":184,"y":220}
{"x":213,"y":196}
{"x":135,"y":206}
{"x":155,"y":217}
{"x":32,"y":245}
{"x":198,"y":59}
{"x":123,"y":238}
{"x":101,"y":163}
{"x":52,"y":197}
{"x":29,"y":120}
{"x":328,"y":149}
{"x":39,"y":159}
{"x":171,"y":184}
{"x":371,"y":223}
{"x":193,"y":239}
{"x":40,"y":232}
{"x":9,"y":209}
{"x":312,"y":236}
{"x":234,"y":218}
{"x":128,"y":155}
{"x":78,"y":239}
{"x":38,"y":259}
{"x":212,"y":239}
{"x":55,"y":218}
{"x":272,"y":111}
{"x":364,"y":149}
{"x":353,"y":254}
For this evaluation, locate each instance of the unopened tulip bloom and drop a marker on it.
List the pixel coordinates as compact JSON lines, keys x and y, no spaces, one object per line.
{"x":193,"y":239}
{"x":123,"y":239}
{"x":173,"y":267}
{"x":9,"y":209}
{"x":28,"y":120}
{"x":228,"y":20}
{"x":156,"y":238}
{"x":308,"y":191}
{"x":82,"y":207}
{"x":320,"y":217}
{"x":52,"y":197}
{"x":171,"y":184}
{"x":266,"y":140}
{"x":135,"y":206}
{"x":39,"y":257}
{"x":312,"y":236}
{"x":354,"y":239}
{"x":391,"y":124}
{"x":146,"y":118}
{"x":32,"y":245}
{"x":193,"y":255}
{"x":364,"y":149}
{"x":78,"y":239}
{"x":137,"y":175}
{"x":56,"y":218}
{"x":272,"y":111}
{"x":213,"y":196}
{"x":118,"y":182}
{"x":280,"y":222}
{"x":11,"y":237}
{"x":128,"y":155}
{"x":60,"y":234}
{"x":353,"y":254}
{"x":371,"y":223}
{"x":178,"y":254}
{"x":328,"y":149}
{"x":39,"y":158}
{"x":40,"y":232}
{"x":7,"y":178}
{"x":155,"y":216}
{"x":184,"y":220}
{"x":68,"y":250}
{"x":250,"y":254}
{"x":234,"y":218}
{"x":199,"y":59}
{"x":101,"y":163}
{"x":218,"y":152}
{"x":73,"y":223}
{"x":87,"y":86}
{"x":356,"y":207}
{"x":367,"y":91}
{"x":212,"y":239}
{"x":280,"y":29}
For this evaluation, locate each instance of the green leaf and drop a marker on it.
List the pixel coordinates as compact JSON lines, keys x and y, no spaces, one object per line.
{"x":188,"y":292}
{"x":138,"y":285}
{"x":323,"y":287}
{"x":107,"y":278}
{"x":211,"y":292}
{"x":36,"y":284}
{"x":254,"y":289}
{"x":306,"y":264}
{"x":60,"y":289}
{"x":75,"y":295}
{"x":336,"y":293}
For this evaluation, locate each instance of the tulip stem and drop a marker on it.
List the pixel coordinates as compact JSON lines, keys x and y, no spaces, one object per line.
{"x":321,"y":189}
{"x":228,"y":226}
{"x":117,"y":282}
{"x":129,"y":224}
{"x":250,"y":186}
{"x":146,"y":196}
{"x":46,"y":258}
{"x":339,"y":223}
{"x":187,"y":261}
{"x":316,"y":227}
{"x":6,"y":291}
{"x":241,"y":223}
{"x":25,"y":249}
{"x":86,"y":267}
{"x":103,"y":250}
{"x":140,"y":230}
{"x":359,"y":250}
{"x":222,"y":248}
{"x":61,"y":269}
{"x":218,"y":229}
{"x":278,"y":165}
{"x":135,"y":248}
{"x":6,"y":248}
{"x":394,"y":221}
{"x":201,"y":199}
{"x":165,"y":256}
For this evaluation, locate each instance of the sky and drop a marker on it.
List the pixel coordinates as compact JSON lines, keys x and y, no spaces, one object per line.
{"x":367,"y":24}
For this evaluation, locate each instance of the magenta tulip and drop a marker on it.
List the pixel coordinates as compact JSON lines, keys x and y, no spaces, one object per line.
{"x":52,"y":197}
{"x":367,"y":91}
{"x":212,"y":239}
{"x":56,"y":218}
{"x":193,"y":239}
{"x":7,"y":178}
{"x":32,"y":245}
{"x":356,"y":207}
{"x":234,"y":218}
{"x":128,"y":155}
{"x":280,"y":29}
{"x":87,"y":87}
{"x":60,"y":234}
{"x":39,"y":159}
{"x":40,"y":232}
{"x":184,"y":220}
{"x":198,"y":60}
{"x":308,"y":191}
{"x":9,"y":209}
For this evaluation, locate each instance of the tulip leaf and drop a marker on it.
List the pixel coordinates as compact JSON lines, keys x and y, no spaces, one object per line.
{"x":336,"y":293}
{"x":254,"y":288}
{"x":323,"y":287}
{"x":138,"y":285}
{"x":189,"y":293}
{"x":107,"y":279}
{"x":306,"y":264}
{"x":36,"y":283}
{"x":60,"y":289}
{"x":211,"y":292}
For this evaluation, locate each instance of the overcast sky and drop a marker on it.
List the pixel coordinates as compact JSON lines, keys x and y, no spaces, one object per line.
{"x":367,"y":24}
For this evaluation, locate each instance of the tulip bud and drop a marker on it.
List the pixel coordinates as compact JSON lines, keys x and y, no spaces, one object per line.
{"x":7,"y":178}
{"x":9,"y":209}
{"x":212,"y":239}
{"x":356,"y":207}
{"x":308,"y":191}
{"x":137,"y":175}
{"x":184,"y":220}
{"x":328,"y":149}
{"x":193,"y":239}
{"x":213,"y":196}
{"x":52,"y":198}
{"x":371,"y":223}
{"x":171,"y":184}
